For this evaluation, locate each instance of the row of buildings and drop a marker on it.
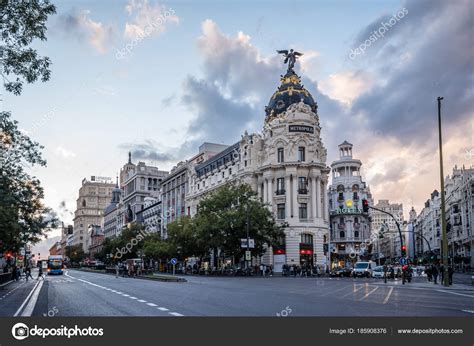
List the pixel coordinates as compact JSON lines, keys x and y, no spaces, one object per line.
{"x":320,"y":207}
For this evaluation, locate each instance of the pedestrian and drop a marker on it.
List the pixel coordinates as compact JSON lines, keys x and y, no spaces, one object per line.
{"x":117,"y":270}
{"x":429,"y":273}
{"x":434,"y":272}
{"x":441,"y":271}
{"x":15,"y":273}
{"x":28,"y":273}
{"x":40,"y":273}
{"x":450,"y":274}
{"x":261,"y":270}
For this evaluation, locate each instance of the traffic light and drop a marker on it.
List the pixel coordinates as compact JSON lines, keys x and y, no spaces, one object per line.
{"x":404,"y":250}
{"x":365,"y":206}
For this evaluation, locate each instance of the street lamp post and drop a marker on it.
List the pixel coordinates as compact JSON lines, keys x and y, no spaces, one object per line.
{"x":443,"y":212}
{"x":399,"y":232}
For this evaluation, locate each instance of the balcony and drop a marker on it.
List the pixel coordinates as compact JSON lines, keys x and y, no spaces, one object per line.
{"x":280,"y":192}
{"x":356,"y":225}
{"x":303,"y":191}
{"x":341,"y":226}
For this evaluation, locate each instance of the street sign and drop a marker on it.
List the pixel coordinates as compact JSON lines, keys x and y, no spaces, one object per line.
{"x":248,"y":255}
{"x":403,"y":261}
{"x":174,"y":261}
{"x":243,"y":243}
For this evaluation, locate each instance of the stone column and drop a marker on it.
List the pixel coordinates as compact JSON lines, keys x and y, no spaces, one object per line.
{"x":295,"y":197}
{"x":259,"y":188}
{"x":313,"y":198}
{"x":287,"y":198}
{"x":265,"y":190}
{"x":325,"y":204}
{"x":270,"y":192}
{"x":319,"y":210}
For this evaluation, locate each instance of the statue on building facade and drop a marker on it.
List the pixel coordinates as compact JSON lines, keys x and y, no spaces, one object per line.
{"x":290,"y":58}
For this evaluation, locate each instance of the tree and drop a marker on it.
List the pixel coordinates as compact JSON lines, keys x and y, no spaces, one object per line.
{"x":221,"y":221}
{"x":156,"y":248}
{"x":22,"y":22}
{"x":23,"y":216}
{"x":75,"y":253}
{"x":183,"y":238}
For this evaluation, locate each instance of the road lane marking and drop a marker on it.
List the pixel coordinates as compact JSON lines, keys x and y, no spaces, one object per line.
{"x":388,"y":295}
{"x":458,"y":294}
{"x":470,"y":311}
{"x":126,"y":295}
{"x":175,"y":314}
{"x":26,"y":300}
{"x":354,"y":290}
{"x":32,"y":303}
{"x":369,"y":293}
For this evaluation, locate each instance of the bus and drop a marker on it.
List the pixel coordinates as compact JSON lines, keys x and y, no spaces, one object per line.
{"x":55,"y":265}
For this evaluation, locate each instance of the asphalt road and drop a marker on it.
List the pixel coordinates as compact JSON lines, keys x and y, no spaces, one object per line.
{"x":79,"y":293}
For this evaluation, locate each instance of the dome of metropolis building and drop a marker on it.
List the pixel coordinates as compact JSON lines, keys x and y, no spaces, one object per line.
{"x":289,"y":92}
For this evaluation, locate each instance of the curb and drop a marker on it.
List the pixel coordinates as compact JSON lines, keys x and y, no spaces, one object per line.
{"x":160,"y":278}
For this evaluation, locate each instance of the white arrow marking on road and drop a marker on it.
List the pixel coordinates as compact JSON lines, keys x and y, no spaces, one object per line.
{"x":458,"y":294}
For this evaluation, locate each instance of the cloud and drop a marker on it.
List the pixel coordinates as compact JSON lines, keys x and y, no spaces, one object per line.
{"x":79,"y":25}
{"x":64,"y":153}
{"x":148,"y":150}
{"x":147,"y":19}
{"x":346,"y":86}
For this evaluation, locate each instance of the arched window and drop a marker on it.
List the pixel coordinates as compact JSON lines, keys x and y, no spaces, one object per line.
{"x":342,"y":234}
{"x":83,"y":202}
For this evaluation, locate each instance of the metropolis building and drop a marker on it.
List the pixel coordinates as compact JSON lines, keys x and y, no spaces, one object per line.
{"x":286,"y":166}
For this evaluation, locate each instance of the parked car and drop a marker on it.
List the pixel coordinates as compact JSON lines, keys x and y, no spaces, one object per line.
{"x":363,"y":269}
{"x":377,"y":272}
{"x":341,"y":272}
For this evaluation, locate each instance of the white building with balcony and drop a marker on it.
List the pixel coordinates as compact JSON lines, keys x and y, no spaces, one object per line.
{"x":349,"y":227}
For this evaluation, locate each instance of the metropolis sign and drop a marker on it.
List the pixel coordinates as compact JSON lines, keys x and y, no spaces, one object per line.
{"x":301,"y":128}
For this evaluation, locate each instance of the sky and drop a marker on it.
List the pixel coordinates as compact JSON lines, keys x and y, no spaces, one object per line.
{"x":158,"y":78}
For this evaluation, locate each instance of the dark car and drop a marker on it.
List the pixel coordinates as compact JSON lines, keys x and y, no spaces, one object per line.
{"x":341,"y":272}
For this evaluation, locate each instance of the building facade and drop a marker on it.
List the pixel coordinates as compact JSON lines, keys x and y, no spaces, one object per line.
{"x":94,"y":195}
{"x":389,"y":246}
{"x":459,"y":206}
{"x":175,"y":186}
{"x":96,"y":235}
{"x":151,"y":216}
{"x":349,"y":227}
{"x":286,"y":166}
{"x":110,"y":223}
{"x":137,"y":182}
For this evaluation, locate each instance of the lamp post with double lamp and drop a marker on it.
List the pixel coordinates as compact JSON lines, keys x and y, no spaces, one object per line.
{"x":443,"y":212}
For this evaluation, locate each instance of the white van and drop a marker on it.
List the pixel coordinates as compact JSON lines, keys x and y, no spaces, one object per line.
{"x":364,"y":269}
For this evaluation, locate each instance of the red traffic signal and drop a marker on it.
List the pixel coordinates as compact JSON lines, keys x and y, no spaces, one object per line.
{"x":365,"y":206}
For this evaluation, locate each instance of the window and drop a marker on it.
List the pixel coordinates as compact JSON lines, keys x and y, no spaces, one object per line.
{"x":280,"y":186}
{"x":303,"y":211}
{"x":223,"y":174}
{"x":281,"y":211}
{"x":307,"y":238}
{"x":230,"y":171}
{"x":302,"y":185}
{"x":301,"y":154}
{"x":342,"y":234}
{"x":281,"y":156}
{"x":356,"y":234}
